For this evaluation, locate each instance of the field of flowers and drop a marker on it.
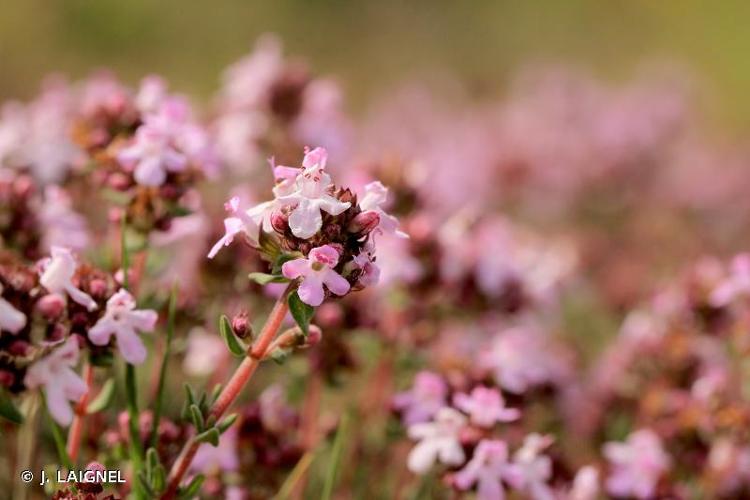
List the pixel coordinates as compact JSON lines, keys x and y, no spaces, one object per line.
{"x":537,"y":295}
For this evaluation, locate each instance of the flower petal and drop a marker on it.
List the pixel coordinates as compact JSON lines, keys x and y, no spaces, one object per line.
{"x":311,"y":291}
{"x":335,"y":282}
{"x":305,"y":220}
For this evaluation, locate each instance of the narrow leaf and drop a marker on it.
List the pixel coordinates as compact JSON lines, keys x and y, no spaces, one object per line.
{"x":8,"y":410}
{"x":301,"y":312}
{"x":103,"y":399}
{"x":197,"y":417}
{"x":335,"y":460}
{"x":192,"y":488}
{"x":209,"y":436}
{"x":227,"y":423}
{"x":264,"y":278}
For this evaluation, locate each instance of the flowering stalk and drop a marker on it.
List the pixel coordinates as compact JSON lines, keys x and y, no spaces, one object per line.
{"x":239,"y":379}
{"x":76,"y":428}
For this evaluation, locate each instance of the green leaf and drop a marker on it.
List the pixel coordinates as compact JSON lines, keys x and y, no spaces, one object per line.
{"x":197,"y":417}
{"x":145,"y":485}
{"x":301,"y":312}
{"x":192,"y":488}
{"x":8,"y":410}
{"x":159,"y":479}
{"x":103,"y":360}
{"x":103,"y":399}
{"x":227,"y":423}
{"x":335,"y":459}
{"x":264,"y":278}
{"x":233,"y":343}
{"x":269,"y":246}
{"x":209,"y":436}
{"x":281,"y":259}
{"x":190,"y":394}
{"x":152,"y":460}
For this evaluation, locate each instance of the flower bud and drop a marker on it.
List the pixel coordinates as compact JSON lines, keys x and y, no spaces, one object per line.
{"x":280,"y":222}
{"x":92,"y":486}
{"x":241,"y":325}
{"x":98,"y":288}
{"x":19,"y":348}
{"x":364,"y":222}
{"x":6,"y":378}
{"x":314,"y":336}
{"x":51,"y":306}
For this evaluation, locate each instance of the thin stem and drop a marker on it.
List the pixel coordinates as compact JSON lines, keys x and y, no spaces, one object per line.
{"x":232,"y":389}
{"x":163,"y":370}
{"x":59,"y":441}
{"x":76,"y":428}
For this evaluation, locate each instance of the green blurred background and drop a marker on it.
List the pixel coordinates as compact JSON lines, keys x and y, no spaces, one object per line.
{"x":371,"y":45}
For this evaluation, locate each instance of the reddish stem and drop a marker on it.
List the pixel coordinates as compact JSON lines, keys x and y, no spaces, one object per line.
{"x":233,"y":388}
{"x":76,"y":428}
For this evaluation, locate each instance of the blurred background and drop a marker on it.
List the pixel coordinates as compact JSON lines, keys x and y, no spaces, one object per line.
{"x":371,"y":45}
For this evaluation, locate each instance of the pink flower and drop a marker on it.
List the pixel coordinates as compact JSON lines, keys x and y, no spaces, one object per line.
{"x":637,"y":465}
{"x":487,"y":468}
{"x":438,"y":440}
{"x":62,"y":224}
{"x":316,"y":270}
{"x":123,"y":320}
{"x":241,"y":222}
{"x":375,"y":197}
{"x":737,"y":283}
{"x":11,"y":319}
{"x":531,"y":469}
{"x":151,"y":94}
{"x":485,"y":407}
{"x":205,"y":351}
{"x":521,"y":357}
{"x":153,"y":153}
{"x":57,"y":273}
{"x":425,"y":398}
{"x":61,"y":383}
{"x":310,"y":194}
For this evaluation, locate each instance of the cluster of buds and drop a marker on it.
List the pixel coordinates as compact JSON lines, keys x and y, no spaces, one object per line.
{"x":19,"y":223}
{"x":48,"y":312}
{"x":146,"y":147}
{"x":313,"y":231}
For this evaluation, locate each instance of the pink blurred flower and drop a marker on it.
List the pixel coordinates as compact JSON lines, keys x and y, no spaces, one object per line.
{"x":316,"y":270}
{"x":61,"y":383}
{"x":205,"y":351}
{"x":423,"y":400}
{"x":123,"y":320}
{"x":61,"y":224}
{"x":57,"y":273}
{"x":522,"y":357}
{"x":11,"y":319}
{"x":487,"y":468}
{"x":737,"y":283}
{"x":585,"y":484}
{"x":637,"y":464}
{"x":438,"y":441}
{"x":485,"y":407}
{"x":531,"y":469}
{"x":241,"y":222}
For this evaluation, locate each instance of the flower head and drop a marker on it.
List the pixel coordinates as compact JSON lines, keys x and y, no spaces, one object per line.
{"x":423,"y":400}
{"x":57,"y":273}
{"x":438,"y":440}
{"x":317,"y":270}
{"x":123,"y":320}
{"x":637,"y":464}
{"x":485,"y":407}
{"x":61,"y":384}
{"x":311,"y":196}
{"x":531,"y":469}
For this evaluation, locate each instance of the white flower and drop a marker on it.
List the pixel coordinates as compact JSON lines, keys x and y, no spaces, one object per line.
{"x":376,"y":195}
{"x":315,"y":271}
{"x":57,"y":273}
{"x":246,"y":222}
{"x":532,"y":470}
{"x":61,"y":383}
{"x":123,"y":320}
{"x":438,"y":440}
{"x":311,"y":196}
{"x":11,"y":319}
